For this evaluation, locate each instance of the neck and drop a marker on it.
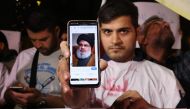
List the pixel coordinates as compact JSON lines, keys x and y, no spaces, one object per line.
{"x":158,"y":54}
{"x":55,"y":49}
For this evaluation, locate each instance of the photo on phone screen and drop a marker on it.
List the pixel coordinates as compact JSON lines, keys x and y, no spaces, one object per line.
{"x":84,"y":49}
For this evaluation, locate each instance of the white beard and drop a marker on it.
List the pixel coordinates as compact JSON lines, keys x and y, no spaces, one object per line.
{"x":83,"y":55}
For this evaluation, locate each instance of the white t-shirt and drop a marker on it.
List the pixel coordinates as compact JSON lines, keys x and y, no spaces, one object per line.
{"x":155,"y":83}
{"x":3,"y":75}
{"x":47,"y":80}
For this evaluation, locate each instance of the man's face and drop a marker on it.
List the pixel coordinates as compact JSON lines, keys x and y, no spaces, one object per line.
{"x":158,"y":33}
{"x":46,"y":42}
{"x":84,"y":50}
{"x":84,"y":46}
{"x":119,"y":38}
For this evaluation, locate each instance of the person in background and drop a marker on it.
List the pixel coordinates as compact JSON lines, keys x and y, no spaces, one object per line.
{"x":35,"y":68}
{"x":125,"y":82}
{"x":7,"y":58}
{"x":7,"y":55}
{"x":185,"y":40}
{"x":181,"y":65}
{"x":156,"y":39}
{"x":84,"y":55}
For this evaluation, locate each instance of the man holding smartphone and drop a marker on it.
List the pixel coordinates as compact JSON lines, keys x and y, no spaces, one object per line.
{"x":118,"y":21}
{"x":33,"y":82}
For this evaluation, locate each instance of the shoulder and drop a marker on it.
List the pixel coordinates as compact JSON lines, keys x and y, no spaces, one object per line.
{"x":154,"y":66}
{"x":28,"y":52}
{"x":156,"y":71}
{"x":26,"y":55}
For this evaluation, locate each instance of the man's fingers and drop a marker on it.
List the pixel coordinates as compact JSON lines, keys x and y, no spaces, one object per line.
{"x":63,"y":72}
{"x":63,"y":68}
{"x":64,"y":81}
{"x":129,"y":94}
{"x":63,"y":65}
{"x":103,"y":64}
{"x":65,"y":49}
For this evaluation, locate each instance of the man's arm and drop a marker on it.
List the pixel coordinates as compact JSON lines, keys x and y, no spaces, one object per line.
{"x":72,"y":96}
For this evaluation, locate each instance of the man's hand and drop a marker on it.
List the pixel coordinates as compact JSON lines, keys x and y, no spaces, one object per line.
{"x":131,"y":100}
{"x":72,"y":97}
{"x":28,"y":96}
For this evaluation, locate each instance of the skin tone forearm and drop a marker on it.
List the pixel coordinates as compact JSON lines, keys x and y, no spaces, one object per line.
{"x":73,"y":99}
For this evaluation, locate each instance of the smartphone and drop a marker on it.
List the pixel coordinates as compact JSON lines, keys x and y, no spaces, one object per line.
{"x":17,"y":88}
{"x":83,"y":41}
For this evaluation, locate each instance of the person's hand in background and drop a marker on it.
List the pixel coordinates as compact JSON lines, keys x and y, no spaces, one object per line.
{"x":22,"y":96}
{"x":131,"y":100}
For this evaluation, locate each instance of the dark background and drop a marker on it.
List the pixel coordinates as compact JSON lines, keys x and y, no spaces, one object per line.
{"x":13,"y":13}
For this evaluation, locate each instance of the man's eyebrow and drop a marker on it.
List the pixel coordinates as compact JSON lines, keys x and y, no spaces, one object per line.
{"x":105,"y":29}
{"x":44,"y":38}
{"x":124,"y":28}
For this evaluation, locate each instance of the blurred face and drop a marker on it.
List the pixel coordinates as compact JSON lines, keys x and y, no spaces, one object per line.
{"x":158,"y":33}
{"x":84,"y":46}
{"x":119,"y":38}
{"x":84,"y":50}
{"x":46,"y":42}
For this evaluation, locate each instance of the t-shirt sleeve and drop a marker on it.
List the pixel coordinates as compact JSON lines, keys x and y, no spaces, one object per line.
{"x":170,"y":91}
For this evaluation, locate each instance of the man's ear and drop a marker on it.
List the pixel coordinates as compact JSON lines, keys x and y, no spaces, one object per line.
{"x":141,"y":37}
{"x":57,"y":31}
{"x":1,"y":46}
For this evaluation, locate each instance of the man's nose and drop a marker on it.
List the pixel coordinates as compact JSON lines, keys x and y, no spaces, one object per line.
{"x":165,"y":24}
{"x":37,"y":44}
{"x":115,"y":38}
{"x":82,"y":46}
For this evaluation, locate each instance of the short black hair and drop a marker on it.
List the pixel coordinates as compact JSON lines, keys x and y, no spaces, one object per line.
{"x":3,"y":39}
{"x":116,"y":8}
{"x":41,"y":19}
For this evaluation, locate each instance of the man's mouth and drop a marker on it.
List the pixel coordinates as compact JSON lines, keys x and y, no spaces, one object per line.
{"x":116,"y":47}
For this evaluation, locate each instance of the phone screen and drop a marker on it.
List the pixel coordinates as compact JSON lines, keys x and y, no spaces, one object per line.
{"x":17,"y":88}
{"x":84,"y":49}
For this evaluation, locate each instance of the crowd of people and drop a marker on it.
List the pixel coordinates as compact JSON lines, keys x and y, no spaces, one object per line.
{"x":150,"y":77}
